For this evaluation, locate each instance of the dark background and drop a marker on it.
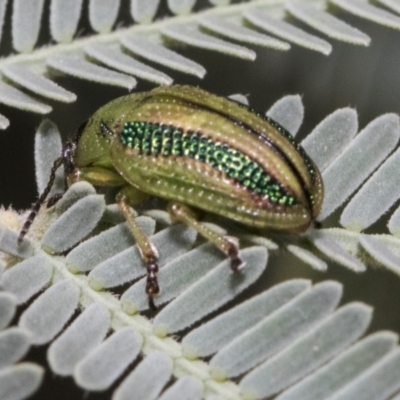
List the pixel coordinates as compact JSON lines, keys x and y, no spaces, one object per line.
{"x":367,"y":79}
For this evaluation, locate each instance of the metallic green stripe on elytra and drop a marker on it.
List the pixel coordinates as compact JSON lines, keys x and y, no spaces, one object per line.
{"x":167,"y":140}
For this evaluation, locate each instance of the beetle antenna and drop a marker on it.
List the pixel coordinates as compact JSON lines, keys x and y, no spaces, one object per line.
{"x":36,"y":207}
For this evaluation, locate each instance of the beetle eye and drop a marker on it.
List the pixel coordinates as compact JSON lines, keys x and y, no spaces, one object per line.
{"x":105,"y":130}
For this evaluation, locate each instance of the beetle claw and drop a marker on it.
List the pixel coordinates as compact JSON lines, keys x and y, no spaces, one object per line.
{"x":237,"y":264}
{"x":152,"y":306}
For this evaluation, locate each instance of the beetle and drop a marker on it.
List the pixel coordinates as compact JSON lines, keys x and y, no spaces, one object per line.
{"x":201,"y":152}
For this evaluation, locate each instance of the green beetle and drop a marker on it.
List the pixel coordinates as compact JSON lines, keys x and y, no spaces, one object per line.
{"x":200,"y":151}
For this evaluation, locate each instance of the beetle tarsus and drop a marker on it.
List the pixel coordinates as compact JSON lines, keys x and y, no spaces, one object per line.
{"x":232,"y":252}
{"x":152,"y":286}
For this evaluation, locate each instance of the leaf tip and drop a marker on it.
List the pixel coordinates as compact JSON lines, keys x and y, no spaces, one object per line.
{"x":160,"y":330}
{"x":218,"y":374}
{"x":96,"y":284}
{"x":129,"y":307}
{"x":189,"y":352}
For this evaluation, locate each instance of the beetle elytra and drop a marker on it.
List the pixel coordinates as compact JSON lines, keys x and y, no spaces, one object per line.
{"x":199,"y":151}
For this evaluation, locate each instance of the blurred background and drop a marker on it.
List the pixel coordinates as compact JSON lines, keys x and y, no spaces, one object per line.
{"x":365,"y":78}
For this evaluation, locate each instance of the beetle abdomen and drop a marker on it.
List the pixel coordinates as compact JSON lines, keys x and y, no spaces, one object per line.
{"x":166,"y":140}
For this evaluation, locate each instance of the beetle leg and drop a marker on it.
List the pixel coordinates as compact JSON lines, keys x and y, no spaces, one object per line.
{"x":186,"y":215}
{"x":147,"y":249}
{"x":128,"y":195}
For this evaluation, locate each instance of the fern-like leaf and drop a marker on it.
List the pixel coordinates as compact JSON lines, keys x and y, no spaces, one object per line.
{"x":291,"y":336}
{"x":110,"y":57}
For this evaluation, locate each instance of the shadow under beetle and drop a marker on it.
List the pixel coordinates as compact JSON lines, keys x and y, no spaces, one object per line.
{"x":200,"y":151}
